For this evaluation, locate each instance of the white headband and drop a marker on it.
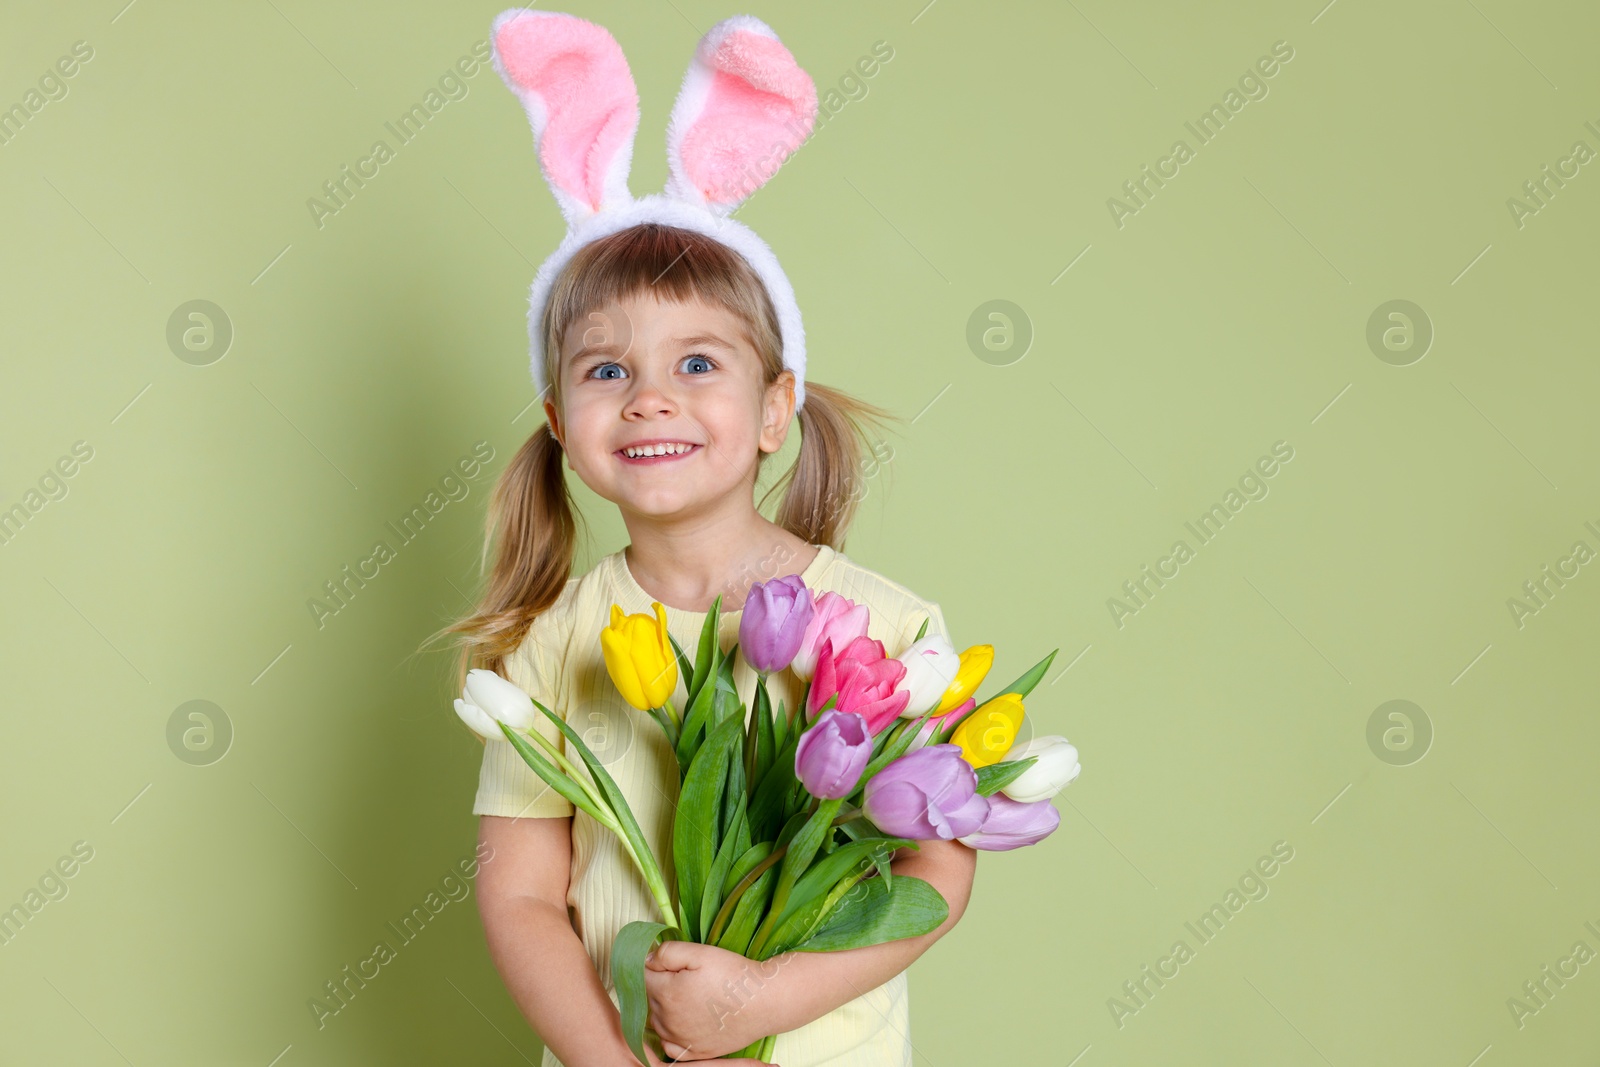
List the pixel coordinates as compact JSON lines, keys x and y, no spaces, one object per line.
{"x":744,"y":107}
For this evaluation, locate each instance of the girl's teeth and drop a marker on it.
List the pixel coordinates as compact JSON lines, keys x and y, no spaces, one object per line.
{"x":655,"y":450}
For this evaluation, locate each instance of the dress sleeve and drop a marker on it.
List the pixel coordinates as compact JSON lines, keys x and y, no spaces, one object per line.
{"x":506,"y":784}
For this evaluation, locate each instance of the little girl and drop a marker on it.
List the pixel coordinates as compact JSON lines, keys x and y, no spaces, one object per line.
{"x":675,"y":368}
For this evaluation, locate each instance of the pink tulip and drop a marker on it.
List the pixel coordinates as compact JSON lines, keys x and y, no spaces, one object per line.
{"x":864,"y":680}
{"x":834,"y":618}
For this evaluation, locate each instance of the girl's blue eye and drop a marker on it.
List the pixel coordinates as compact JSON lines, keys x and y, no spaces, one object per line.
{"x":599,"y":367}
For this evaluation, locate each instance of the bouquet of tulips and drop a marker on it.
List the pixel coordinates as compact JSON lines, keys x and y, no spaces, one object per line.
{"x":786,"y":821}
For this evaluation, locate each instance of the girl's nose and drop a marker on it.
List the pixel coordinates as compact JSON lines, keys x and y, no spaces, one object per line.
{"x":648,"y":398}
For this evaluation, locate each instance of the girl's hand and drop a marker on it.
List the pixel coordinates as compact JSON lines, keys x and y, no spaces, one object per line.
{"x":657,"y":1061}
{"x":705,"y":1001}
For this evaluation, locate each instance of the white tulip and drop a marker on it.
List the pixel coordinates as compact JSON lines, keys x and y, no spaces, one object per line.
{"x":497,"y":700}
{"x":475,"y":717}
{"x":1054,"y":769}
{"x":931,"y":665}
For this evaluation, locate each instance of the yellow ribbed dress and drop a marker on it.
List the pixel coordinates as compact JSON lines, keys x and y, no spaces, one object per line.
{"x":560,"y":664}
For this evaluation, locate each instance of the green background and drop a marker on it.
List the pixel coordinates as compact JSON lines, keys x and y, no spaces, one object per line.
{"x":1229,"y":313}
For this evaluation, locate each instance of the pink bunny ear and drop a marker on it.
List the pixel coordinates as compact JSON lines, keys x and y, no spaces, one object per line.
{"x":579,"y":94}
{"x":745,"y":106}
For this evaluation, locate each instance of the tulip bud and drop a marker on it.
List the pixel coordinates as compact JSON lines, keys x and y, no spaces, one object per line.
{"x":1011,"y":824}
{"x":989,"y":732}
{"x":494,"y":699}
{"x":480,"y":723}
{"x":639,"y":657}
{"x":1055,"y":767}
{"x":776,"y":614}
{"x":832,"y":754}
{"x":926,"y":794}
{"x":975,"y":664}
{"x":859,"y":678}
{"x":834,"y":618}
{"x":931,"y":666}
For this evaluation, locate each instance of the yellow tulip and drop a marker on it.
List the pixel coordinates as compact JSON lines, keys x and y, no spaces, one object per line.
{"x":639,"y":657}
{"x":975,"y":664}
{"x":986,"y":735}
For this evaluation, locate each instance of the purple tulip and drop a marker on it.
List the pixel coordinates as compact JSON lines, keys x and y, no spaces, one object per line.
{"x":776,"y":614}
{"x":927,"y":793}
{"x":1013,"y":824}
{"x":832,"y":754}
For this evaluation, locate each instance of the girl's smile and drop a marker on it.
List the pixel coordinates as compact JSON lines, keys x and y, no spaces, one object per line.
{"x":663,"y":409}
{"x":650,"y":453}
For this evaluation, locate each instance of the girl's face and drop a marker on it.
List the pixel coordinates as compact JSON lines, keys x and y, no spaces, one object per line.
{"x":646,"y":372}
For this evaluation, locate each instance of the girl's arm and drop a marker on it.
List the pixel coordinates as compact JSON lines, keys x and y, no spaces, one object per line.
{"x":522,"y":898}
{"x":706,"y":1001}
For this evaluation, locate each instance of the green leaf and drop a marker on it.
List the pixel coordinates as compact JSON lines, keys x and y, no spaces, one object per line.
{"x":860,"y":828}
{"x":780,"y":727}
{"x":554,"y":776}
{"x":694,"y":723}
{"x":871,"y":914}
{"x":791,"y":827}
{"x":733,"y":844}
{"x":802,"y":847}
{"x":694,"y":826}
{"x":734,"y":795}
{"x":705,"y":657}
{"x":995,"y":776}
{"x":802,"y":911}
{"x":608,"y":786}
{"x":746,"y":863}
{"x":922,"y":631}
{"x":769,"y":801}
{"x":685,"y":671}
{"x":725,"y":701}
{"x":633,"y":943}
{"x":760,"y":742}
{"x":1024,"y":685}
{"x":747,"y":913}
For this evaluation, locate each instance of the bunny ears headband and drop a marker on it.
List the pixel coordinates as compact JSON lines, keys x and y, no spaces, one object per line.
{"x":744,"y":107}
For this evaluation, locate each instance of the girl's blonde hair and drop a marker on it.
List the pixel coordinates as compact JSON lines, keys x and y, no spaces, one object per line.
{"x":531,"y":526}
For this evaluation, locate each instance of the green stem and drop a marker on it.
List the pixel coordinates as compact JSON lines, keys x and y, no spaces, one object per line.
{"x":647,"y":868}
{"x":581,"y":780}
{"x":668,"y":726}
{"x":791,"y":871}
{"x":653,"y":879}
{"x":726,"y":911}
